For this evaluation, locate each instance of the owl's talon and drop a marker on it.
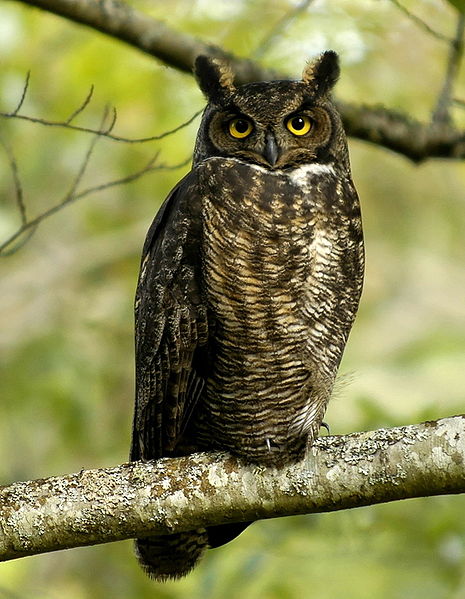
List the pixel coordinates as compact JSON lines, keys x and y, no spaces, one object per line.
{"x":326,"y":426}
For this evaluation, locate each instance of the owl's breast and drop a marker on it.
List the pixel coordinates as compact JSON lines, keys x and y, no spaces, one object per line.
{"x":267,"y":235}
{"x":267,"y":262}
{"x":257,"y":229}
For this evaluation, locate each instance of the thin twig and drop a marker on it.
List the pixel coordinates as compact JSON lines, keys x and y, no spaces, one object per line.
{"x":70,"y":196}
{"x":150,"y":166}
{"x":279,"y":27}
{"x":441,"y":113}
{"x":23,"y":95}
{"x":118,"y":138}
{"x":16,"y":180}
{"x":23,"y":234}
{"x":422,"y":24}
{"x":30,"y":226}
{"x":67,"y":123}
{"x":82,"y":107}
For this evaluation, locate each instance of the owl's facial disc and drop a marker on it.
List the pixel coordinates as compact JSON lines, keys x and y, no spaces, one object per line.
{"x":283,"y":138}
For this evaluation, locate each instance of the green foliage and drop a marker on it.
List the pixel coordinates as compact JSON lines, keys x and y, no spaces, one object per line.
{"x":66,"y":357}
{"x":458,"y":4}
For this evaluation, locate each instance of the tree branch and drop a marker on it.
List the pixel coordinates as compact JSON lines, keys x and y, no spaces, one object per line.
{"x":118,"y":20}
{"x":441,"y":113}
{"x":397,"y":132}
{"x":402,"y":134}
{"x":170,"y":495}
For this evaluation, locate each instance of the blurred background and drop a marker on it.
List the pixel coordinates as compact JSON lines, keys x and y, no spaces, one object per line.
{"x":66,"y":299}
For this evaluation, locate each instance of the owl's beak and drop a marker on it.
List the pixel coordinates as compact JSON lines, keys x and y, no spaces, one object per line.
{"x":270,"y":153}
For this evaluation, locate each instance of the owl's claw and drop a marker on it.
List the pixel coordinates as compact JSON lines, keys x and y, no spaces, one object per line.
{"x":268,"y":444}
{"x":326,"y":426}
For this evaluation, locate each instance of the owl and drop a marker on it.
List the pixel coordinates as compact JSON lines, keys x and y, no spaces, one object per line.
{"x":250,"y":280}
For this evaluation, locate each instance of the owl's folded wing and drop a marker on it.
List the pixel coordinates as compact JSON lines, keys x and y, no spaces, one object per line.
{"x":171,"y":325}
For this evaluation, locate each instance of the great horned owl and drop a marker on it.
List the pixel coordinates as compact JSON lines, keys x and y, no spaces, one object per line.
{"x":250,"y":280}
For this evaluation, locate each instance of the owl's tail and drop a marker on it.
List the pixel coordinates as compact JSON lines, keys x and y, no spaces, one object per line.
{"x":174,"y":556}
{"x":171,"y":556}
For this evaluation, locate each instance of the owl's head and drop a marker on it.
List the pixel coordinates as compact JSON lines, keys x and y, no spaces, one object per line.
{"x":275,"y":124}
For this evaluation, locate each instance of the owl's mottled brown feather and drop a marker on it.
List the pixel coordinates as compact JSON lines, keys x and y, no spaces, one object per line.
{"x":269,"y":260}
{"x":250,"y":280}
{"x":171,"y":325}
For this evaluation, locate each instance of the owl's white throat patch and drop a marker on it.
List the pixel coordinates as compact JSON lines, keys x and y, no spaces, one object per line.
{"x":299,"y":176}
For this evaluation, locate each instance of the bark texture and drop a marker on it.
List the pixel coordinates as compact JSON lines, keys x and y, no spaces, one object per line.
{"x":170,"y":495}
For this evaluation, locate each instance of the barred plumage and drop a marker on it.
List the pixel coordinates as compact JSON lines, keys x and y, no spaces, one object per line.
{"x":250,"y":280}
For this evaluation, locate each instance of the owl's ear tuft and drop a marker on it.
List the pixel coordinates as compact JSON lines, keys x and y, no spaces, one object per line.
{"x":322,"y":73}
{"x":215,"y":78}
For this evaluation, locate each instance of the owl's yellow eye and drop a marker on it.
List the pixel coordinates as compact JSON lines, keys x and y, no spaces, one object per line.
{"x":240,"y":128}
{"x":299,"y":125}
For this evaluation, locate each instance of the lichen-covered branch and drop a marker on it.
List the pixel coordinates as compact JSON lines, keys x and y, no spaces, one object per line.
{"x":339,"y":472}
{"x":400,"y":133}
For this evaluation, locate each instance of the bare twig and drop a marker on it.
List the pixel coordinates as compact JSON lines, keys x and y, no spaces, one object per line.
{"x":67,"y":125}
{"x":16,"y":180}
{"x":14,"y":243}
{"x":28,"y":228}
{"x":81,"y":108}
{"x":441,"y":113}
{"x":279,"y":28}
{"x":23,"y":95}
{"x":422,"y":24}
{"x":67,"y":122}
{"x":149,"y":167}
{"x":71,"y":195}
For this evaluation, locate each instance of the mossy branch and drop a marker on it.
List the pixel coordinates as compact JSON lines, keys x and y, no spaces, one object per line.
{"x":176,"y":494}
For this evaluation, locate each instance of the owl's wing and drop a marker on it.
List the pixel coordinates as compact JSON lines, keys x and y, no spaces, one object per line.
{"x":171,"y":325}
